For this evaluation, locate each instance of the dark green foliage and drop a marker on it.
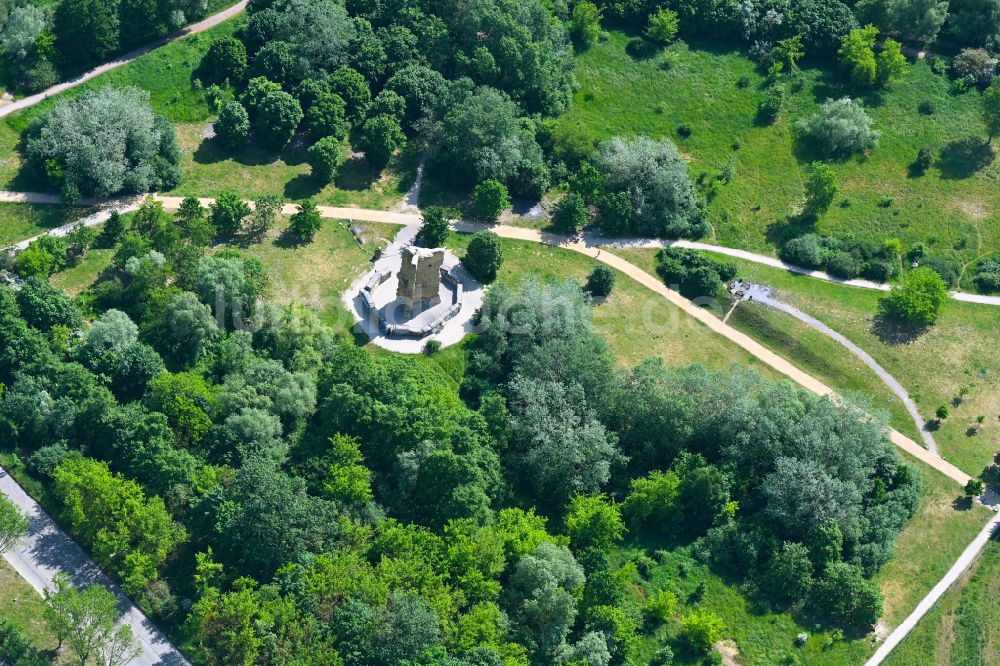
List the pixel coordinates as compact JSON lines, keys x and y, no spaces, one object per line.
{"x":233,"y":126}
{"x":43,"y":306}
{"x":325,"y":157}
{"x":692,"y":273}
{"x":490,"y":199}
{"x":276,"y":62}
{"x":327,"y":117}
{"x":571,"y":214}
{"x":601,"y":282}
{"x":381,"y":136}
{"x":228,"y":211}
{"x":844,"y":597}
{"x":306,"y":221}
{"x":87,"y":30}
{"x":15,"y":648}
{"x":225,"y":60}
{"x":278,"y":116}
{"x":847,"y":258}
{"x":484,"y":256}
{"x":434,"y":230}
{"x":988,"y":276}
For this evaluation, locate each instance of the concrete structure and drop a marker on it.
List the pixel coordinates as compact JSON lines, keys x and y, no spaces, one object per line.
{"x":419,"y":279}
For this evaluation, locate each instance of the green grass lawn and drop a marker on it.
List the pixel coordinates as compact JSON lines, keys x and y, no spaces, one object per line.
{"x":964,"y":628}
{"x":958,"y":351}
{"x":953,"y":208}
{"x":20,"y":221}
{"x":23,"y":606}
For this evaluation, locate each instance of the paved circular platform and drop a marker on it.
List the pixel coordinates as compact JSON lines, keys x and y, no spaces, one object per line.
{"x":390,"y":309}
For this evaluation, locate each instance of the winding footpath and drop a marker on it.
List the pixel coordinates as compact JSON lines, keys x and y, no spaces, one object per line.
{"x":48,"y":551}
{"x":590,"y":238}
{"x":193,"y":29}
{"x":762,"y":294}
{"x":158,"y":649}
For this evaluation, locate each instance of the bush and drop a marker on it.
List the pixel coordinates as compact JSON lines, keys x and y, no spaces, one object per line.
{"x":306,"y":222}
{"x":949,"y":269}
{"x":770,"y":106}
{"x":845,"y":598}
{"x":484,"y":256}
{"x":702,"y":629}
{"x":232,"y":129}
{"x":601,"y":282}
{"x":434,"y":230}
{"x":490,"y":198}
{"x":927,"y":107}
{"x":571,"y":214}
{"x":976,"y":65}
{"x":917,"y":300}
{"x":692,"y":273}
{"x":988,"y":276}
{"x":843,"y":265}
{"x":925,"y":157}
{"x":662,"y":26}
{"x":325,"y":157}
{"x":79,"y":156}
{"x":685,"y":130}
{"x":840,"y":127}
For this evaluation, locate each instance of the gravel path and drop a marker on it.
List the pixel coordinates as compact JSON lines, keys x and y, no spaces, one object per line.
{"x":48,"y":550}
{"x":192,"y":29}
{"x":762,"y":294}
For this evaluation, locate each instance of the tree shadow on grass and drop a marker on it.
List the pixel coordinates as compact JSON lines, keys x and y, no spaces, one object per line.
{"x":303,"y":186}
{"x":893,"y":332}
{"x":964,"y":157}
{"x":780,"y":232}
{"x":357,"y":174}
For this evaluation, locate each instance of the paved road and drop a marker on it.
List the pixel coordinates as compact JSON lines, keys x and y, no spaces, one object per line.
{"x":962,"y":564}
{"x":192,"y":29}
{"x":48,"y":551}
{"x":762,"y":294}
{"x":590,"y":238}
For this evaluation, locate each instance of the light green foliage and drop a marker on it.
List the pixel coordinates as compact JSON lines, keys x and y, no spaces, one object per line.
{"x":821,"y":187}
{"x":13,"y":525}
{"x":349,"y":480}
{"x":594,"y":521}
{"x":434,"y":229}
{"x":127,"y":532}
{"x":662,"y":26}
{"x":917,"y":299}
{"x":857,"y":56}
{"x":585,"y":22}
{"x":702,"y":629}
{"x":86,"y":621}
{"x":891,"y":61}
{"x":652,"y":500}
{"x":228,"y":211}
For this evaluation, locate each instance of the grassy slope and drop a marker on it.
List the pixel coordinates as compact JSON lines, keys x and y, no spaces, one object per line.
{"x":948,"y":208}
{"x":22,"y":605}
{"x":964,"y":628}
{"x":169,"y":75}
{"x":20,"y":221}
{"x":958,"y":351}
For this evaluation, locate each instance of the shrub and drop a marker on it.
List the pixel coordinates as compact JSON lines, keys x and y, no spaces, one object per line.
{"x":325,"y":157}
{"x":431,"y":347}
{"x":72,"y":146}
{"x":662,"y":26}
{"x":770,"y":106}
{"x":232,"y":129}
{"x":434,"y":230}
{"x":484,"y":256}
{"x":840,"y":127}
{"x":692,"y":273}
{"x":570,"y":214}
{"x":917,"y":300}
{"x":974,"y":64}
{"x":821,"y":187}
{"x":306,"y":222}
{"x":228,"y":212}
{"x":927,"y":107}
{"x":601,"y":281}
{"x":843,"y":265}
{"x":702,"y":629}
{"x":925,"y":157}
{"x":845,"y":598}
{"x":490,"y":198}
{"x":685,"y":130}
{"x":988,"y":276}
{"x":949,"y":269}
